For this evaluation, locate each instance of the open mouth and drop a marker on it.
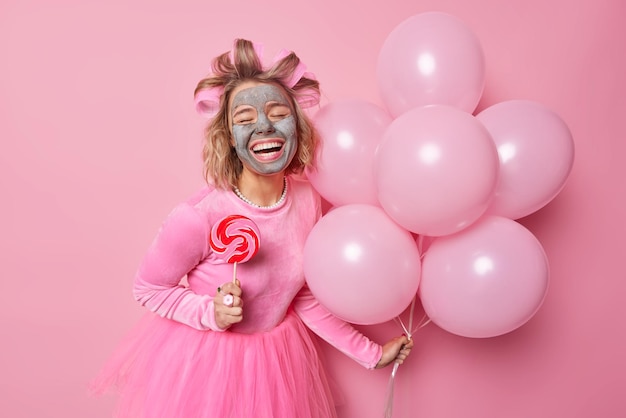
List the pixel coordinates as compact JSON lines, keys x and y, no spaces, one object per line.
{"x":267,"y":147}
{"x":267,"y":150}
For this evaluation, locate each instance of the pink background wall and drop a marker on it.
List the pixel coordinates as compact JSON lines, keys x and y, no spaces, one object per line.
{"x":100,"y":140}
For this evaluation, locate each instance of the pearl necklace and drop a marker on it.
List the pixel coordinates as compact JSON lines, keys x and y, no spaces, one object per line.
{"x":273,"y":205}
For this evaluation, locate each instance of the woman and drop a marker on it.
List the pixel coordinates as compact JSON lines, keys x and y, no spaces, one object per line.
{"x":223,"y":348}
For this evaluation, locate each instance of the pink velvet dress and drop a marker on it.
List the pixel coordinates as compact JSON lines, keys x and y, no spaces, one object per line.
{"x":178,"y":363}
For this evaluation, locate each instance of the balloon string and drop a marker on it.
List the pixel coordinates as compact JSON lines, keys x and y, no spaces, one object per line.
{"x":390,"y":390}
{"x":394,"y":371}
{"x":410,"y":330}
{"x":423,"y":322}
{"x":411,"y":314}
{"x":392,"y":379}
{"x":398,"y":321}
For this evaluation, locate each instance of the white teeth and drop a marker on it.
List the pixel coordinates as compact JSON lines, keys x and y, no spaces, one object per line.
{"x":267,"y":145}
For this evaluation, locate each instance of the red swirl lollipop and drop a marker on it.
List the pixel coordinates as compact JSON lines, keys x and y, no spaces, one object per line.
{"x":235,"y":239}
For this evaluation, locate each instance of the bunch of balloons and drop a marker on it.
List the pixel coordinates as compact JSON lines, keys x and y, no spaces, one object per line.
{"x":427,"y":166}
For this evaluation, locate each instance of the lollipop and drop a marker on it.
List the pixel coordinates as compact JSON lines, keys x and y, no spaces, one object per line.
{"x":235,"y":239}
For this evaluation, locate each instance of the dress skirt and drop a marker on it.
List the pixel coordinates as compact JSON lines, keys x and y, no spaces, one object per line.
{"x":165,"y":369}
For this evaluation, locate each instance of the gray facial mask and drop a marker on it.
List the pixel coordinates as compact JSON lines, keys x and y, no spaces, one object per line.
{"x":264,"y":129}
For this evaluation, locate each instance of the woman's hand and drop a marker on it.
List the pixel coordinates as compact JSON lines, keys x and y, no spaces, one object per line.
{"x":396,"y":349}
{"x":227,"y":314}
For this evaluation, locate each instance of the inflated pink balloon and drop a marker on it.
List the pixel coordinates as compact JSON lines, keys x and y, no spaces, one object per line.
{"x":436,"y":170}
{"x":350,"y":131}
{"x":431,"y":58}
{"x":360,"y":265}
{"x":536,"y":152}
{"x":487,"y":280}
{"x":235,"y":239}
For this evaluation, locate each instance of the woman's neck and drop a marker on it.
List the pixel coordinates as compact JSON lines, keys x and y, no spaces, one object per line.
{"x":261,"y":190}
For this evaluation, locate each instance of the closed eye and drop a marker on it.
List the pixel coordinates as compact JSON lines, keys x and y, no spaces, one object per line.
{"x":278,"y":111}
{"x":244,"y":115}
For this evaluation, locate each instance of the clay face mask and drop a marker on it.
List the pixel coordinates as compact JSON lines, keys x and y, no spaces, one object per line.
{"x":264,"y":128}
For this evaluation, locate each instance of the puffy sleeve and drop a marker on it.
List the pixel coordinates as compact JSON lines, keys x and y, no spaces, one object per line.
{"x":180,"y":245}
{"x":335,"y":331}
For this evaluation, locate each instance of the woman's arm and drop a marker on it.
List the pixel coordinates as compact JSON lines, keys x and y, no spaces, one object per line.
{"x":180,"y":245}
{"x":335,"y":331}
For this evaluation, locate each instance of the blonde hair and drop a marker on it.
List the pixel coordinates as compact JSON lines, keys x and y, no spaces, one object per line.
{"x":222,"y":166}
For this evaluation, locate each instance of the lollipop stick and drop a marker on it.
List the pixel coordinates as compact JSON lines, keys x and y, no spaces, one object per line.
{"x":234,"y":272}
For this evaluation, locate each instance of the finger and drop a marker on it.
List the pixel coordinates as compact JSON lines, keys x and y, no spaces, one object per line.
{"x":406,"y":343}
{"x":237,"y":302}
{"x":231,"y":288}
{"x":223,"y":303}
{"x":229,"y":312}
{"x":233,"y":310}
{"x":232,"y":301}
{"x":236,"y":315}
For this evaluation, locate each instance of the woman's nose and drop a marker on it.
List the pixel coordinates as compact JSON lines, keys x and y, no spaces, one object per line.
{"x":264,"y":125}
